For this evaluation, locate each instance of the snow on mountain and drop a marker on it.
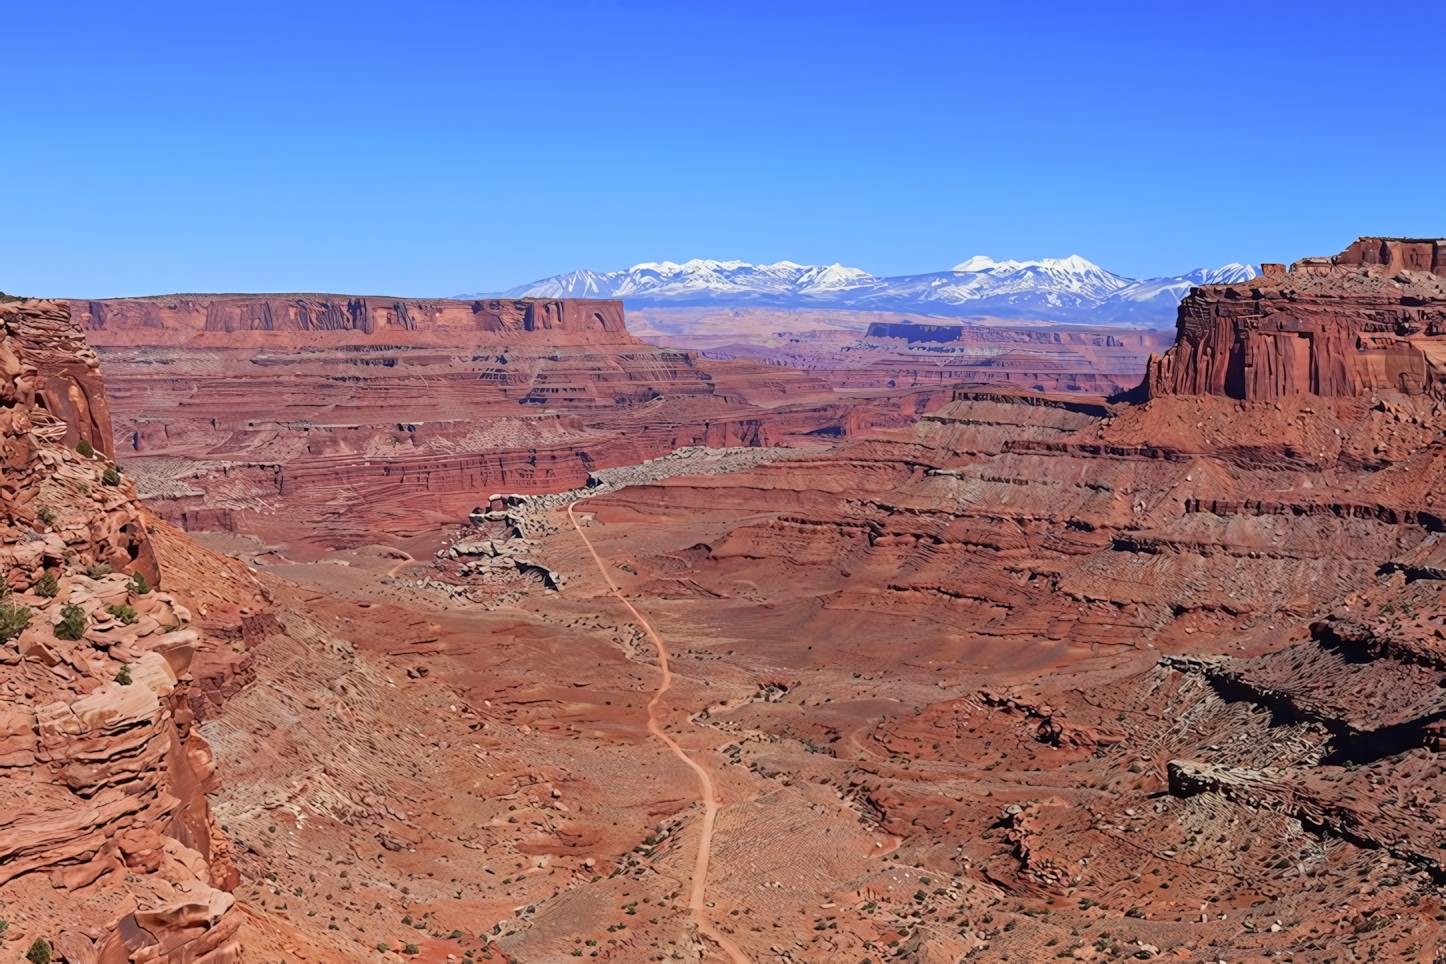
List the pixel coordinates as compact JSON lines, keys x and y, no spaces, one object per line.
{"x":702,"y":279}
{"x":1177,"y":287}
{"x":1062,"y":289}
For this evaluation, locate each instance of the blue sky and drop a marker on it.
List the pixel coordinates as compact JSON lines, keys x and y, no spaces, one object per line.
{"x":432,"y":148}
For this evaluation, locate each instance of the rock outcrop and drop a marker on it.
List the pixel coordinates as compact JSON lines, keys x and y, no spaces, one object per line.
{"x":294,"y":320}
{"x":1370,"y":319}
{"x":349,"y":420}
{"x":58,"y":504}
{"x":102,"y":776}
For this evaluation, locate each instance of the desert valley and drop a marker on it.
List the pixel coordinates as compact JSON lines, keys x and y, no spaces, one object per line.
{"x":347,"y":628}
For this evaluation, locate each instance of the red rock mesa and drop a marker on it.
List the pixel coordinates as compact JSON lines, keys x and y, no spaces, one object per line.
{"x":1005,"y":674}
{"x":1371,"y":318}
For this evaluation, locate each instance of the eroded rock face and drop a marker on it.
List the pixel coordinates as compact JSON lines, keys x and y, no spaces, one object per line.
{"x":57,"y":505}
{"x":1005,"y":673}
{"x":102,"y":780}
{"x":178,"y":319}
{"x":346,"y":420}
{"x":1370,"y":319}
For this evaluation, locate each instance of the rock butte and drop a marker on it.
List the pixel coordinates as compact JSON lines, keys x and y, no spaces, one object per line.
{"x":1005,"y":674}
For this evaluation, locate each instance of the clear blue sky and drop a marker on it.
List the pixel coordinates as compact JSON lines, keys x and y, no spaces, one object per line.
{"x":432,"y":148}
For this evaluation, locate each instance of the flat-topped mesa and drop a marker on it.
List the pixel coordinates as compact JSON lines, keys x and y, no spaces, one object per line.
{"x":293,"y":320}
{"x":1372,"y":318}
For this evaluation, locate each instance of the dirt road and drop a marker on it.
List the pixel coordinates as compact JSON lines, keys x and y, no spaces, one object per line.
{"x":696,"y":900}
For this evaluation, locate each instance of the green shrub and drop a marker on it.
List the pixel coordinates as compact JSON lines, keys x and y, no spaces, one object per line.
{"x":110,"y":476}
{"x":13,"y":620}
{"x":47,"y":514}
{"x":383,"y":946}
{"x":125,"y":614}
{"x":39,"y":952}
{"x":97,"y":570}
{"x":47,"y":585}
{"x":86,"y":449}
{"x":124,"y":676}
{"x":73,"y":624}
{"x":409,"y":949}
{"x":138,"y":584}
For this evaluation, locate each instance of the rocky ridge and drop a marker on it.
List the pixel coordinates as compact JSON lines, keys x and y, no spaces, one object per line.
{"x":1007,"y":674}
{"x":365,"y":431}
{"x":102,"y":773}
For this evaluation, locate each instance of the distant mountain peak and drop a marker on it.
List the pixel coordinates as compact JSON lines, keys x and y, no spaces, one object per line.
{"x":982,"y":262}
{"x":1072,"y":289}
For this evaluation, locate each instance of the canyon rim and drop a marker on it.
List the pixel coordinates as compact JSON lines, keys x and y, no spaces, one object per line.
{"x":348,"y":628}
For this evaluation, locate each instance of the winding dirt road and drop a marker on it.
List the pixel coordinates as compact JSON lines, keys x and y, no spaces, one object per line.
{"x":705,"y":782}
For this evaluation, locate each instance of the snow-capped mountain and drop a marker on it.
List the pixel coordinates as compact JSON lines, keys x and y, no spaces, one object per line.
{"x":981,"y":285}
{"x":1141,"y":301}
{"x":1176,"y":288}
{"x":1062,"y":289}
{"x":666,"y":281}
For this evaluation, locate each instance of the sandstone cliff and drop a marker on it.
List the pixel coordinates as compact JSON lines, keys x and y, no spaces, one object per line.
{"x":1372,"y":318}
{"x":107,"y":847}
{"x":285,"y":320}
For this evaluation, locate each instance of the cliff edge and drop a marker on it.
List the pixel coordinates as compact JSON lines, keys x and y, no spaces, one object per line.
{"x":1372,"y":318}
{"x":108,"y":851}
{"x":295,"y":320}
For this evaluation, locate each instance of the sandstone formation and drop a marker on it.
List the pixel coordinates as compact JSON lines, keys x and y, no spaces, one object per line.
{"x":975,"y":673}
{"x":1372,"y":318}
{"x":871,"y":350}
{"x":102,"y":774}
{"x":290,"y":320}
{"x":58,"y":506}
{"x":330,"y":421}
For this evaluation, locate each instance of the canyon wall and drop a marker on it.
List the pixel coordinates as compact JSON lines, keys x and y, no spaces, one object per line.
{"x":979,"y":672}
{"x":102,"y":776}
{"x":1372,"y":318}
{"x":293,"y":320}
{"x":342,"y":420}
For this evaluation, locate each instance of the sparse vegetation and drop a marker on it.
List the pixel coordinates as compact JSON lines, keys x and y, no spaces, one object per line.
{"x":124,"y":613}
{"x":138,"y":584}
{"x":111,"y":476}
{"x":13,"y":620}
{"x":86,"y":449}
{"x":47,"y":585}
{"x":97,"y":570}
{"x":47,"y":514}
{"x":39,"y":952}
{"x":124,"y":676}
{"x":73,"y":623}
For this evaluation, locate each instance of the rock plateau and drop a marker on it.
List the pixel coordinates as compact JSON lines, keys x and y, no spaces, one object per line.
{"x":989,"y":674}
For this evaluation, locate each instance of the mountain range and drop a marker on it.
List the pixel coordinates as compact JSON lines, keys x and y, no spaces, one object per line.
{"x":1057,"y":289}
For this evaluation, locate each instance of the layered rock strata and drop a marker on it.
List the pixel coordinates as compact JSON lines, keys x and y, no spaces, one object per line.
{"x":1370,"y":319}
{"x":290,"y":319}
{"x":102,"y":774}
{"x":342,"y":421}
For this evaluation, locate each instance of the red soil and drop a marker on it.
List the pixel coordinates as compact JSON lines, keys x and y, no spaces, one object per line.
{"x":1009,"y":675}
